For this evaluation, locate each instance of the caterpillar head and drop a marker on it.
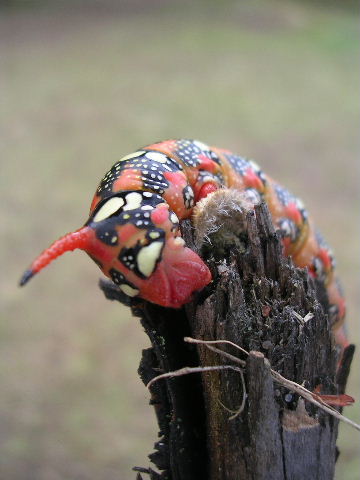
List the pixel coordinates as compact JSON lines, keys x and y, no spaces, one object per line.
{"x":133,"y":237}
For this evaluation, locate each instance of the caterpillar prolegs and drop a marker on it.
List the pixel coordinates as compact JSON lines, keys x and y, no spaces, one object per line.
{"x":133,"y":229}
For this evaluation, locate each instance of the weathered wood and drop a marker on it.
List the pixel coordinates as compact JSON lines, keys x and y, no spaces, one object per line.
{"x":265,"y":435}
{"x":257,"y":300}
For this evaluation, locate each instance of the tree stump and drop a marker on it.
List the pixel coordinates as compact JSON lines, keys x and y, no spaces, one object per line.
{"x":259,"y":301}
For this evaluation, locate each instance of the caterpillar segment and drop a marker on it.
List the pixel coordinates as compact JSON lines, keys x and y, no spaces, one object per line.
{"x":133,"y":234}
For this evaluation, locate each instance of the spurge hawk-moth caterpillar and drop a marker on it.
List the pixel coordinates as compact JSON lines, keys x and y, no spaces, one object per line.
{"x":133,"y":229}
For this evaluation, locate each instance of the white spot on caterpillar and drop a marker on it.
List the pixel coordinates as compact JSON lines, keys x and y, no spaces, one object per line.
{"x":132,"y":155}
{"x":254,"y":165}
{"x":300,"y":204}
{"x":156,"y":156}
{"x":174,"y":218}
{"x":207,"y":178}
{"x":131,"y":292}
{"x":147,"y":207}
{"x":147,"y":258}
{"x":109,"y":208}
{"x":133,"y":201}
{"x":201,"y":145}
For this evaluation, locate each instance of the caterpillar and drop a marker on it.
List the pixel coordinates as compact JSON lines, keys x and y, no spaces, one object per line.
{"x":133,"y":233}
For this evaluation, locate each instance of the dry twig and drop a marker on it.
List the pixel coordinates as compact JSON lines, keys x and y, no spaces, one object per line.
{"x":188,"y":370}
{"x":290,"y":385}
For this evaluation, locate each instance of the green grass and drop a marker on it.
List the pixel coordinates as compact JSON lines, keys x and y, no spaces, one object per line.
{"x":276,"y":81}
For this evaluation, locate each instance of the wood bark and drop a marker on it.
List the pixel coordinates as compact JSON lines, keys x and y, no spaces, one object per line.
{"x":259,"y":301}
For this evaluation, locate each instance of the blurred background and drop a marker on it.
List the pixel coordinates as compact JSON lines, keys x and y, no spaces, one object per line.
{"x":84,"y":83}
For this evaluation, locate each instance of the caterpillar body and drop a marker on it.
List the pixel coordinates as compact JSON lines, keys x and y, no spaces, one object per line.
{"x":133,"y":229}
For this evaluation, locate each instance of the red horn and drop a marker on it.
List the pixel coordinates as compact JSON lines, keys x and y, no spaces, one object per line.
{"x":79,"y":239}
